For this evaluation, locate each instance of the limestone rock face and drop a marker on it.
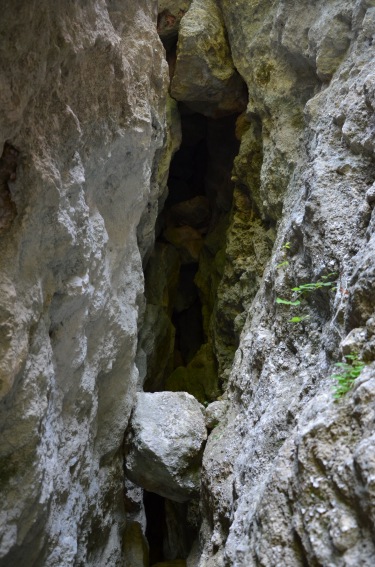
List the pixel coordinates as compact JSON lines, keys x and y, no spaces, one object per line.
{"x":164,"y":444}
{"x":287,"y":472}
{"x":83,"y":91}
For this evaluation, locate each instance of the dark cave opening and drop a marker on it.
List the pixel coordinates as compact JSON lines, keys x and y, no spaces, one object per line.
{"x":184,"y":270}
{"x":186,"y":218}
{"x":187,"y":317}
{"x":170,"y":529}
{"x":181,"y":280}
{"x":189,"y":165}
{"x":155,"y":526}
{"x":189,"y":233}
{"x":200,"y":195}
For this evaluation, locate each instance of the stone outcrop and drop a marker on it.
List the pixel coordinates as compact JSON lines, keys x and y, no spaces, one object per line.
{"x":82,"y":104}
{"x":285,"y":474}
{"x":164,"y":444}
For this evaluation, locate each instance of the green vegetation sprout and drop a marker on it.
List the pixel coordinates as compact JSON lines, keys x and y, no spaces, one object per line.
{"x":324,"y":282}
{"x":348,"y":372}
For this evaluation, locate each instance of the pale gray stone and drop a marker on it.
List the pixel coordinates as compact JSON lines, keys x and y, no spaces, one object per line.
{"x":215,"y":412}
{"x":164,"y":444}
{"x":83,"y":91}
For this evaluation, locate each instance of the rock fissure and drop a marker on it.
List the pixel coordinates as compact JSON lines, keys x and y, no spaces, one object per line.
{"x":148,"y":224}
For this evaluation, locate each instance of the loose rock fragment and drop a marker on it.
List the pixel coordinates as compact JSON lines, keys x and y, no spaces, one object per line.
{"x":164,"y":444}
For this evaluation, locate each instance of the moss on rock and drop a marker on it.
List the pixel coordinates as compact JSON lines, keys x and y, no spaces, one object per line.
{"x":199,"y":377}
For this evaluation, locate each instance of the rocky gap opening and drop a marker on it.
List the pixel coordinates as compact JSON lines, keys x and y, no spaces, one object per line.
{"x":176,"y":338}
{"x":186,"y":265}
{"x":170,"y":528}
{"x":155,"y":525}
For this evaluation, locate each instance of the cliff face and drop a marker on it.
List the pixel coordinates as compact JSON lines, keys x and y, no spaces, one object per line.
{"x":272,"y":189}
{"x":296,"y":485}
{"x":83,"y":89}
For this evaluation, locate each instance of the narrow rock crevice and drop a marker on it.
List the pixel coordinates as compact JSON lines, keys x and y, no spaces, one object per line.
{"x":171,"y":529}
{"x":177,"y":340}
{"x":198,"y":279}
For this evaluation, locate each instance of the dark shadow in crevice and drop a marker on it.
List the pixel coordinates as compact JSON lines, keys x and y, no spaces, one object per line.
{"x":169,"y":532}
{"x":156,"y":526}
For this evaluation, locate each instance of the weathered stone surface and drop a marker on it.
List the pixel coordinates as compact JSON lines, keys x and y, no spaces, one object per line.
{"x":157,"y":333}
{"x":159,"y":189}
{"x":204,"y":76}
{"x":214,"y":413}
{"x":194,"y":555}
{"x":155,"y":348}
{"x":82,"y":99}
{"x":135,"y":546}
{"x":248,"y":247}
{"x":164,"y":444}
{"x":180,"y":530}
{"x":170,"y":13}
{"x":287,"y":475}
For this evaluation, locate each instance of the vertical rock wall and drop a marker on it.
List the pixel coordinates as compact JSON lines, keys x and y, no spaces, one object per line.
{"x":82,"y":117}
{"x":288,"y":475}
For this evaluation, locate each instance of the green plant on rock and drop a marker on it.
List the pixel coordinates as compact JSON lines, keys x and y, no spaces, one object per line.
{"x":285,"y":262}
{"x":299,"y":319}
{"x":324,"y":282}
{"x":287,"y":302}
{"x":348,"y":372}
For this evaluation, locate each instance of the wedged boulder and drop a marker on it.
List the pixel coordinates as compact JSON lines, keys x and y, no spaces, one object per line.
{"x":170,"y":13}
{"x":205,"y":78}
{"x":164,"y":444}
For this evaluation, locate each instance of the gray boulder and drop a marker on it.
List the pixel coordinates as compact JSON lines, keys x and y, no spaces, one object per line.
{"x":164,"y":444}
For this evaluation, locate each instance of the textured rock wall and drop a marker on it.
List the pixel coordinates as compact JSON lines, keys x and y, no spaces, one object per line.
{"x":288,"y":472}
{"x":288,"y":475}
{"x":82,"y":107}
